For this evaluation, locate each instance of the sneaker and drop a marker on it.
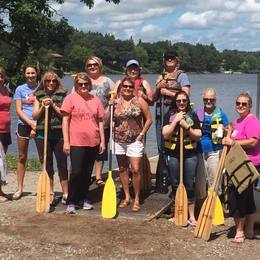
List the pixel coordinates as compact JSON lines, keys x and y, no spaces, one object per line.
{"x":87,"y":205}
{"x":71,"y":209}
{"x":64,"y":199}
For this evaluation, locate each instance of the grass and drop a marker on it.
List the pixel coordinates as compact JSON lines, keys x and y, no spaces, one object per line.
{"x":32,"y":164}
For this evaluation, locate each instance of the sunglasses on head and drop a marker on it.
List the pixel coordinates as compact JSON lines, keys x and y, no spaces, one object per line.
{"x":181,"y":101}
{"x":243,"y":104}
{"x":209,"y":100}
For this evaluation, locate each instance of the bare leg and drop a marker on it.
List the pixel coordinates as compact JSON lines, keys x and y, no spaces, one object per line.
{"x":123,"y":174}
{"x":64,"y":186}
{"x":98,"y":172}
{"x":191,"y":209}
{"x":22,"y":150}
{"x":240,"y":223}
{"x":135,"y":168}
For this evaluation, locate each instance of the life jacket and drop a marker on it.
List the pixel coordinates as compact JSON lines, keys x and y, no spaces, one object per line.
{"x":55,"y":121}
{"x":189,"y":144}
{"x":174,"y":85}
{"x":215,"y":121}
{"x":139,"y":86}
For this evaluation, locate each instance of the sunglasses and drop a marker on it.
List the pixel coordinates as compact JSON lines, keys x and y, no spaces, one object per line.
{"x":178,"y":101}
{"x":243,"y":104}
{"x":51,"y":80}
{"x":83,"y":84}
{"x":127,"y":86}
{"x":89,"y":65}
{"x":211,"y":100}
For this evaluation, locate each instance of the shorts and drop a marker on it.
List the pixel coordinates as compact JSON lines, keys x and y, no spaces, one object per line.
{"x":5,"y":138}
{"x":104,"y":156}
{"x":134,"y":149}
{"x":23,"y":131}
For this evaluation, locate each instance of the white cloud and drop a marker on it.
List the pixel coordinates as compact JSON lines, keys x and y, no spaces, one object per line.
{"x":249,"y":6}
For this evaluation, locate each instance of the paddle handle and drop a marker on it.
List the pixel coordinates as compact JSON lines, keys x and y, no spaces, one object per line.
{"x":110,"y":134}
{"x":46,"y":121}
{"x":181,"y":155}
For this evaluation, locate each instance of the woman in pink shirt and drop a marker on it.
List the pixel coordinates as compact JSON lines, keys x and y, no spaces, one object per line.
{"x":5,"y":122}
{"x":246,"y":131}
{"x":83,"y":133}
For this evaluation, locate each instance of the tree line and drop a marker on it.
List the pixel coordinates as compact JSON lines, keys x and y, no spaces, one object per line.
{"x":32,"y":36}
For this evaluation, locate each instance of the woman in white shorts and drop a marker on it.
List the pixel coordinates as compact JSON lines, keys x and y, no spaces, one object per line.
{"x":129,"y":114}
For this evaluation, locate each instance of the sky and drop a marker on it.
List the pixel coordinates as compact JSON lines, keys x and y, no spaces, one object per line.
{"x":228,"y":24}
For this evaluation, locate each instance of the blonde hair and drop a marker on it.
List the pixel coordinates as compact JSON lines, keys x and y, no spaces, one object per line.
{"x":246,"y":95}
{"x":48,"y":74}
{"x":84,"y":76}
{"x":96,"y":60}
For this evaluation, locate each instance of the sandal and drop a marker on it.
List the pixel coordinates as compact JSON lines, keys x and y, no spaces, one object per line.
{"x":124,"y":204}
{"x":192,"y":223}
{"x":100,"y":183}
{"x":239,"y":239}
{"x":136,"y":207}
{"x":17,"y":195}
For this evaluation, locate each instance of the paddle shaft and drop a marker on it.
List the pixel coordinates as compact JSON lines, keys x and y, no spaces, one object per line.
{"x":110,"y":138}
{"x":181,"y":155}
{"x":46,"y":122}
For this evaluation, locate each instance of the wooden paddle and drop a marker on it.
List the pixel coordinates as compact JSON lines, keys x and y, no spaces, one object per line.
{"x":204,"y":225}
{"x":43,"y":191}
{"x":108,"y":207}
{"x":181,"y":200}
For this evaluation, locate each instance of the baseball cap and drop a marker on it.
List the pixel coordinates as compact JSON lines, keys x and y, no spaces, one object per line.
{"x":132,"y":62}
{"x":170,"y":54}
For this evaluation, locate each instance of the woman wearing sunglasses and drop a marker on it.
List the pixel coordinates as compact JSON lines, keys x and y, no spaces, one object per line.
{"x":101,"y":87}
{"x":51,"y":93}
{"x":83,"y":133}
{"x":181,"y":115}
{"x":128,"y":136}
{"x":246,"y":131}
{"x":213,"y":119}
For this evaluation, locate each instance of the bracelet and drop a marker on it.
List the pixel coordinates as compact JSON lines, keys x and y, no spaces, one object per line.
{"x":142,"y":134}
{"x":54,"y":105}
{"x":188,"y":128}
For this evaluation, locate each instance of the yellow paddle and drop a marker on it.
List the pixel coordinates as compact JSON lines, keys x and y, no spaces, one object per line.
{"x":43,"y":190}
{"x":108,"y":207}
{"x":181,"y":199}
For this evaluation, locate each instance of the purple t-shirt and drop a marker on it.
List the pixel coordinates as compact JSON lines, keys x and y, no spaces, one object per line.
{"x":247,"y":128}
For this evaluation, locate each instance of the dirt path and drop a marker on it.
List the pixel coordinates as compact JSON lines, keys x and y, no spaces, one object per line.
{"x":27,"y":235}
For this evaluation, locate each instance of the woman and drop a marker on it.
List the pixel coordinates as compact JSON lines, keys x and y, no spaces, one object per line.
{"x":246,"y":131}
{"x":5,"y":122}
{"x":213,"y":119}
{"x":83,"y":133}
{"x":168,"y":84}
{"x":142,"y":87}
{"x":24,"y":100}
{"x":181,"y":115}
{"x":128,"y":136}
{"x":51,"y":93}
{"x":101,"y":87}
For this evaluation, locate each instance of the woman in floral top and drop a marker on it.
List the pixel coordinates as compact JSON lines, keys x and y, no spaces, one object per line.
{"x":129,"y":131}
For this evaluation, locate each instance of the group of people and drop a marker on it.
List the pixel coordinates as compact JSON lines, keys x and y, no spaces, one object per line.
{"x":79,"y":126}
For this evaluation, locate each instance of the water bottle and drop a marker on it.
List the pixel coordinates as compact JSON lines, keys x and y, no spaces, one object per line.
{"x":219,"y":132}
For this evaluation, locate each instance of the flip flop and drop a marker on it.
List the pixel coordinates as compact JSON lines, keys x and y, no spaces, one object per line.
{"x":17,"y":195}
{"x":192,"y":223}
{"x":239,"y":239}
{"x":100,"y":183}
{"x":124,"y":204}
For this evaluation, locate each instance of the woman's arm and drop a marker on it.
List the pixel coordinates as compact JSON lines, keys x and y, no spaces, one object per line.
{"x":22,"y":116}
{"x":149,"y":92}
{"x":148,"y":118}
{"x":37,"y":110}
{"x":102,"y":146}
{"x":167,"y":130}
{"x":65,"y":132}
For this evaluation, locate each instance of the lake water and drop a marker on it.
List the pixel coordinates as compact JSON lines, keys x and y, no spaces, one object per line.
{"x":227,"y":87}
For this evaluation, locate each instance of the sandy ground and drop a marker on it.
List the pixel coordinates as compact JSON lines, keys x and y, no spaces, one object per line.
{"x":24,"y":234}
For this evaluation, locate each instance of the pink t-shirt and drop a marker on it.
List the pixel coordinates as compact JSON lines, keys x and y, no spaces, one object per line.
{"x":247,"y":128}
{"x":5,"y":120}
{"x":84,"y":119}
